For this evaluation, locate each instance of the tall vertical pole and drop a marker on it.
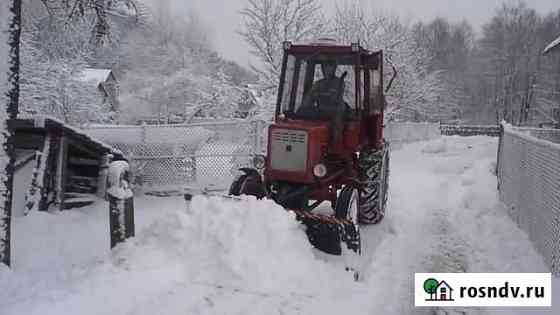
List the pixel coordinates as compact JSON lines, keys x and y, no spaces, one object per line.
{"x":8,"y":155}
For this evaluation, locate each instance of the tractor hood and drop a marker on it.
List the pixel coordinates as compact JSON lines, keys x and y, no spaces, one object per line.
{"x":294,"y":148}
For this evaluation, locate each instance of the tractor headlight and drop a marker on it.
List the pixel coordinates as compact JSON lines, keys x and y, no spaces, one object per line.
{"x":320,"y":170}
{"x":259,"y":162}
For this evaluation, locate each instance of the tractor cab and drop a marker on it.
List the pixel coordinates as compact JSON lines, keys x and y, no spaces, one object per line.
{"x":322,"y":78}
{"x":330,"y":97}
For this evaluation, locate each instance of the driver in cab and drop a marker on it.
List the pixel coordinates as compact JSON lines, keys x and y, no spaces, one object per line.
{"x":324,"y":99}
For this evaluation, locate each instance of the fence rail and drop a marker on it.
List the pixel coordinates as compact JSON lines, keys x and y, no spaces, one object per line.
{"x":470,"y":130}
{"x":529,"y":185}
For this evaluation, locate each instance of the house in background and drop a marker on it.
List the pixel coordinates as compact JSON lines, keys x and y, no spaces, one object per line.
{"x":106,"y":83}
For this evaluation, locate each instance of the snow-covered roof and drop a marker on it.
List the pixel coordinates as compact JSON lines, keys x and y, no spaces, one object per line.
{"x":94,"y":75}
{"x":45,"y":122}
{"x":554,"y":45}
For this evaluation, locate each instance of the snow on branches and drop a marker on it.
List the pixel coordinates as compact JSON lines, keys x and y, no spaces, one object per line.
{"x":101,"y":9}
{"x":172,"y":71}
{"x":415,"y":89}
{"x":53,"y":86}
{"x":268,"y":23}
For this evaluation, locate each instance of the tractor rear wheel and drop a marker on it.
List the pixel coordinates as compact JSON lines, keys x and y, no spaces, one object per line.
{"x":374,"y":170}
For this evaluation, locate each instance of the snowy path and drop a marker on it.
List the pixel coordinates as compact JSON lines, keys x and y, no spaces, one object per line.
{"x":224,"y":257}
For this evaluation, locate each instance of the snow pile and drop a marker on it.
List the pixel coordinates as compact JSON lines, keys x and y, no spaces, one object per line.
{"x":58,"y":241}
{"x":249,"y":244}
{"x":257,"y":241}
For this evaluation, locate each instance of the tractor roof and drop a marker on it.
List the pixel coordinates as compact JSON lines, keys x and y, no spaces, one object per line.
{"x":324,"y":47}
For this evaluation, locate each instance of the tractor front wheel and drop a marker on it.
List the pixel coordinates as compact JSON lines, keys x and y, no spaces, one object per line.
{"x":347,"y":208}
{"x":249,"y":183}
{"x":347,"y":205}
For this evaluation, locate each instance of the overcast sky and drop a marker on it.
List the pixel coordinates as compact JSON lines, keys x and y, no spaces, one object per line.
{"x":222,"y":16}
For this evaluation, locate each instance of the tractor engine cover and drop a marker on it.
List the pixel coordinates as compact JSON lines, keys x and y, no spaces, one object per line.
{"x":294,"y":149}
{"x":288,"y":150}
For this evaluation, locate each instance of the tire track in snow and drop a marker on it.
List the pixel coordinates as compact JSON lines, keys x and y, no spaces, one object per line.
{"x":450,"y":251}
{"x":427,"y":190}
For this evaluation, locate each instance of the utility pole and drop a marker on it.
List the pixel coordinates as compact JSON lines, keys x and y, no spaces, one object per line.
{"x":12,"y":20}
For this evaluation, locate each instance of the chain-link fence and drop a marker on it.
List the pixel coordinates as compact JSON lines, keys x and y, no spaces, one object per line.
{"x":470,"y":130}
{"x":164,"y":157}
{"x":529,"y":184}
{"x":168,"y":157}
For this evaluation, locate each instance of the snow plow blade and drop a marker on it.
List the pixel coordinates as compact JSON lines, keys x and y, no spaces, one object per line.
{"x":326,"y":233}
{"x":330,"y":234}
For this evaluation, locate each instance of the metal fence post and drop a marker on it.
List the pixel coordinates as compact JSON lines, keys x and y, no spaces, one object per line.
{"x":499,"y":153}
{"x":143,"y":134}
{"x":121,"y":203}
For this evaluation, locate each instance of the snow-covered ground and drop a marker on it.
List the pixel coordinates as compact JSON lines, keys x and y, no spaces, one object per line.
{"x":250,"y":257}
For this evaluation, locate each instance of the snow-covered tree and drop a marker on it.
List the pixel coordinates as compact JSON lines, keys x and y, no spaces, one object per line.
{"x":415,"y":89}
{"x":171,"y":70}
{"x":10,"y":22}
{"x":100,"y":9}
{"x":449,"y":47}
{"x":54,"y":54}
{"x":268,"y":23}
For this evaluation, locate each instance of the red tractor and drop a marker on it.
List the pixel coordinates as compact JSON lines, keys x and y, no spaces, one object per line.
{"x":326,"y":143}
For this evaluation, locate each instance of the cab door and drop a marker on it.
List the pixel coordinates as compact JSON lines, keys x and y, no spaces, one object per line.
{"x":374,"y":98}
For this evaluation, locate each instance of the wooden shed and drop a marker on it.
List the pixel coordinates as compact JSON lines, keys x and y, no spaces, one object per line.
{"x":57,"y":166}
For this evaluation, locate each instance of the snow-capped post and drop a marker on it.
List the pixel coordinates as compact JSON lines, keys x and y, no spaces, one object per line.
{"x":121,"y":205}
{"x":10,"y":22}
{"x":103,"y":174}
{"x":35,"y":195}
